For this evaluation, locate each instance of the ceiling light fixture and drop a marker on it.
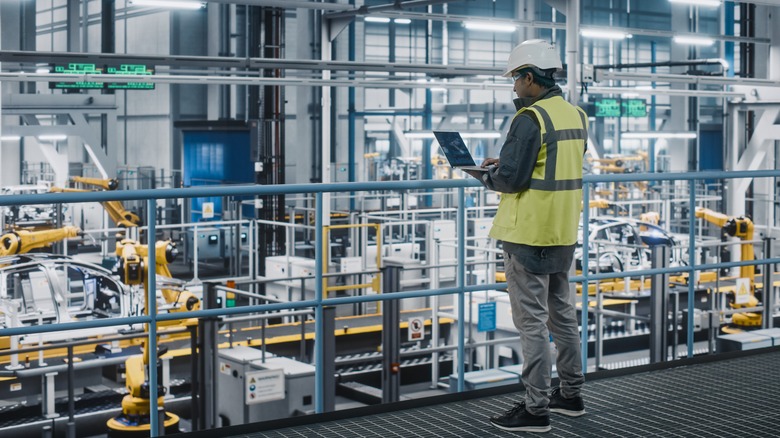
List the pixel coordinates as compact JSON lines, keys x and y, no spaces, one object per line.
{"x":658,"y":135}
{"x":10,"y":138}
{"x":489,"y":27}
{"x":603,"y":34}
{"x":705,"y":3}
{"x":183,"y":4}
{"x":52,"y":137}
{"x":402,"y":21}
{"x":376,"y":20}
{"x":693,"y":40}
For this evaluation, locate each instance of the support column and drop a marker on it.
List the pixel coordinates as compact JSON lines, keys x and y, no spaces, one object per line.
{"x":391,"y":334}
{"x":207,"y":356}
{"x":48,"y":396}
{"x":74,"y":35}
{"x":659,"y":306}
{"x":572,"y":48}
{"x":768,"y":296}
{"x":329,"y":359}
{"x":325,"y":109}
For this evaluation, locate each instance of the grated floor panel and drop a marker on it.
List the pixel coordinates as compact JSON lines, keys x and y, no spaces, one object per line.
{"x":734,"y":397}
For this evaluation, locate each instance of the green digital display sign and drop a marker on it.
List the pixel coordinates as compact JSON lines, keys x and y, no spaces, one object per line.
{"x":121,"y":69}
{"x":634,"y":108}
{"x":607,"y":108}
{"x":621,"y":108}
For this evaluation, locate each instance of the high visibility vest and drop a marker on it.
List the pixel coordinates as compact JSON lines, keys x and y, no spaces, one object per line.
{"x":548,"y":212}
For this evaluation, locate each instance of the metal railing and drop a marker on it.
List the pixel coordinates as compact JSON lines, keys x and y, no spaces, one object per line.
{"x":152,"y":195}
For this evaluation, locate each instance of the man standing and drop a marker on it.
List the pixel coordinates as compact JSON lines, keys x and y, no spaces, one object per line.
{"x":539,"y":173}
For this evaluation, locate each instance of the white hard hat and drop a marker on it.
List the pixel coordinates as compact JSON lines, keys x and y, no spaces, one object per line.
{"x":537,"y":53}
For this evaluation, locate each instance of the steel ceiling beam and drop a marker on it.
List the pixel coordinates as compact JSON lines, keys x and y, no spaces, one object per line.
{"x":288,"y":4}
{"x":388,"y":84}
{"x":395,"y":6}
{"x":29,"y":57}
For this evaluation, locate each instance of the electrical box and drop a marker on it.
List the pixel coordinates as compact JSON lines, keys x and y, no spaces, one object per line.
{"x":232,"y":366}
{"x":252,"y":390}
{"x":209,"y":241}
{"x":296,"y":267}
{"x":588,"y":74}
{"x":444,"y":231}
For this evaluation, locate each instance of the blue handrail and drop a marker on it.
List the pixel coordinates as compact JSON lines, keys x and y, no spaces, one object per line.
{"x":152,"y":195}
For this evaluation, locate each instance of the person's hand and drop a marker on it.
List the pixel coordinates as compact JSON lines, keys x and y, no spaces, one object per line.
{"x":489,"y":162}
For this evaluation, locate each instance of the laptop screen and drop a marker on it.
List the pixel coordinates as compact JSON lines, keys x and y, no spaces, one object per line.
{"x":454,"y":148}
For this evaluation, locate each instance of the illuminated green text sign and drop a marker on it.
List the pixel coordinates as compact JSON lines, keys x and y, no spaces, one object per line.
{"x":128,"y":70}
{"x":621,"y":108}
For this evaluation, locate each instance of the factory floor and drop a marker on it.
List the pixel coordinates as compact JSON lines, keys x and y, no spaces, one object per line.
{"x":732,"y":394}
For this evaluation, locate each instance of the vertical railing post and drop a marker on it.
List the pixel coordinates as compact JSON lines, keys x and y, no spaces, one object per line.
{"x":659,"y":327}
{"x":319,"y":375}
{"x":692,"y":265}
{"x":585,"y":263}
{"x":151,"y":343}
{"x":769,"y":293}
{"x":461,"y":281}
{"x":71,"y":427}
{"x":391,"y":334}
{"x":328,"y":340}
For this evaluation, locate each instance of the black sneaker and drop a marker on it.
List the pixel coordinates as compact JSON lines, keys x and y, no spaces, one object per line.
{"x":518,"y":419}
{"x":573,"y":407}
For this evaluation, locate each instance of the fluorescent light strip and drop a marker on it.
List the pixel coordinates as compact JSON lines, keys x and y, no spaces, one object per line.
{"x":603,"y":34}
{"x":489,"y":27}
{"x":52,"y":137}
{"x":169,"y":4}
{"x":658,"y":135}
{"x":693,"y":40}
{"x":376,"y":20}
{"x":705,"y":3}
{"x":402,"y":21}
{"x":11,"y":138}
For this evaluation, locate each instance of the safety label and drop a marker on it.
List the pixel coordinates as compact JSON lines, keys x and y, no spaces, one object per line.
{"x":416,"y":327}
{"x":487,"y":317}
{"x":743,"y":291}
{"x":263,"y":386}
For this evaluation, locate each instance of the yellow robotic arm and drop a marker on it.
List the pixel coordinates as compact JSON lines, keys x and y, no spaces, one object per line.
{"x":741,"y":227}
{"x":133,"y":253}
{"x":116,"y":211}
{"x":106,"y":184}
{"x":24,"y":241}
{"x":136,"y":405}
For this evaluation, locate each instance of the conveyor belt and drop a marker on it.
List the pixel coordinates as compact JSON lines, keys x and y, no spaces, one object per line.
{"x":712,"y":396}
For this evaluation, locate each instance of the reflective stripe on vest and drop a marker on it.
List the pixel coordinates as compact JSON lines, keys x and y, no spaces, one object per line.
{"x":550,"y":139}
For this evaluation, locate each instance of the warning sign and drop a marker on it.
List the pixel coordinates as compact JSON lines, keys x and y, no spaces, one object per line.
{"x":742,"y":291}
{"x":208,"y":210}
{"x":416,"y":328}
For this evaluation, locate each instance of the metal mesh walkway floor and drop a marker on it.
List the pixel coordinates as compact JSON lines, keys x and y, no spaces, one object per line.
{"x":737,"y":396}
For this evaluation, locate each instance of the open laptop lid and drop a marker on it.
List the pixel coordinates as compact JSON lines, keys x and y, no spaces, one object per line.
{"x":456,"y":151}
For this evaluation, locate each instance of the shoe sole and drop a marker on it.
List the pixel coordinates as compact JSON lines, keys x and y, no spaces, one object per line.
{"x":539,"y":429}
{"x":568,"y":413}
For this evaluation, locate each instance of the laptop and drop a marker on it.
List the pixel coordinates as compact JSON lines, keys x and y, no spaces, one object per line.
{"x":456,"y":151}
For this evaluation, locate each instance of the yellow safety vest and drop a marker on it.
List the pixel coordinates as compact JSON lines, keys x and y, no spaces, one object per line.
{"x":548,"y":212}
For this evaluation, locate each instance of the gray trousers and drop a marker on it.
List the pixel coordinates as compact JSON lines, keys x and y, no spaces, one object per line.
{"x":541,"y":304}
